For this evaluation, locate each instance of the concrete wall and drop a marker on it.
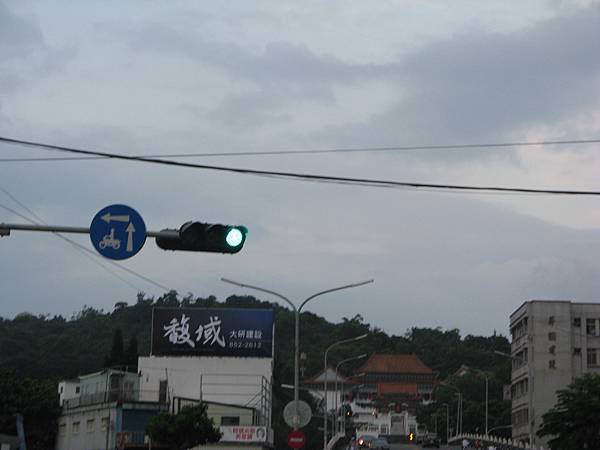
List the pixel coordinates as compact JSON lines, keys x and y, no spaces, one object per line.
{"x":86,"y":428}
{"x":217,"y":411}
{"x":234,"y":381}
{"x":67,"y":389}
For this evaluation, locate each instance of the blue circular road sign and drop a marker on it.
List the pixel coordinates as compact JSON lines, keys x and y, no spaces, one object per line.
{"x":118,"y":232}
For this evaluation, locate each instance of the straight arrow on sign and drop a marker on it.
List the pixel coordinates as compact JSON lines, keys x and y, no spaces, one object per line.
{"x":130,"y":230}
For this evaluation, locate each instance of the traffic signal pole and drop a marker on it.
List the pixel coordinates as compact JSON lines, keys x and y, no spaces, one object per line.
{"x":6,"y":228}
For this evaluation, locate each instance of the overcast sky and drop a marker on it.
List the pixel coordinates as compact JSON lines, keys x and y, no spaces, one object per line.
{"x":194,"y":77}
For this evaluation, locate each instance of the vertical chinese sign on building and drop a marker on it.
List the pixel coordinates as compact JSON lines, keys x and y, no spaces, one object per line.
{"x":212,"y":332}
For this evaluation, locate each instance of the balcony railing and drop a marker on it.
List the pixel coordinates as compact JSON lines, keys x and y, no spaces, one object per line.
{"x":113,"y":395}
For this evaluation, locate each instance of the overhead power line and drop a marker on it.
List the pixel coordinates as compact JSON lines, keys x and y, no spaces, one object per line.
{"x":92,"y":256}
{"x":399,"y":148}
{"x":305,"y":176}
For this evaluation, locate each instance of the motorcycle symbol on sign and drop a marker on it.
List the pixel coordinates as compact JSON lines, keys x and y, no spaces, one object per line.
{"x":109,"y":240}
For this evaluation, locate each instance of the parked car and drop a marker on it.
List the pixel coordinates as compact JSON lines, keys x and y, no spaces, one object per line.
{"x":430,"y":442}
{"x":365,"y":441}
{"x":380,"y":444}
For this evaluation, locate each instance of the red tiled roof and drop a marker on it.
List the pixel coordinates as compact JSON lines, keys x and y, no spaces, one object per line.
{"x":378,"y":363}
{"x":396,"y":388}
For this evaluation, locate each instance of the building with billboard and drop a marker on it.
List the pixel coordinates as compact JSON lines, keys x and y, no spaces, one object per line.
{"x":222,"y":357}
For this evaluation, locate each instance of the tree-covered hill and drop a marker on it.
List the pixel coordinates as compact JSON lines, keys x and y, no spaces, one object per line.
{"x":49,"y":348}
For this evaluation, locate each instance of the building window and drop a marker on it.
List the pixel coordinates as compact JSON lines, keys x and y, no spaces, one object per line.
{"x":552,"y":364}
{"x":577,"y":351}
{"x":552,"y":350}
{"x":590,"y":326}
{"x":104,"y":423}
{"x":62,"y":429}
{"x":520,"y":417}
{"x":520,"y":359}
{"x":232,"y":420}
{"x":551,"y":320}
{"x":577,"y":322}
{"x":77,"y":390}
{"x":520,"y":329}
{"x":162,"y":391}
{"x":90,"y":426}
{"x":552,"y":336}
{"x":592,"y":357}
{"x":75,"y":427}
{"x":60,"y":390}
{"x":519,"y":389}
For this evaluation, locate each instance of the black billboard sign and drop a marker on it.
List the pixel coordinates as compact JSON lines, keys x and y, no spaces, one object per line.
{"x":212,"y":332}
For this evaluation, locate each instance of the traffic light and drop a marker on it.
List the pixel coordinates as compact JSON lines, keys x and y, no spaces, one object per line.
{"x":348,"y":410}
{"x":205,"y":237}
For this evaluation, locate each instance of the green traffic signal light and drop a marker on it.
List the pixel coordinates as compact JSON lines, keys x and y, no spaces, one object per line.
{"x":235,"y":236}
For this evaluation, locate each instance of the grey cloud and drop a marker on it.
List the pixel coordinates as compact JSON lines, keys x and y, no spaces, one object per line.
{"x":24,"y":56}
{"x":282,"y":74}
{"x":474,"y":88}
{"x":280,"y":62}
{"x":16,"y":34}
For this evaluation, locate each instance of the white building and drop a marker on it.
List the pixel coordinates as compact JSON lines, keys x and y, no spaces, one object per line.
{"x":222,"y":357}
{"x":232,"y":381}
{"x":553,"y":342}
{"x":68,"y":389}
{"x":105,"y":410}
{"x":335,"y":384}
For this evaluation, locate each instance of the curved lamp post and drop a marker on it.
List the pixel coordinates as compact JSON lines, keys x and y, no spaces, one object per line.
{"x":447,"y":422}
{"x":487,"y":391}
{"x":297,"y":331}
{"x":335,"y":344}
{"x":343,"y":361}
{"x":459,"y":411}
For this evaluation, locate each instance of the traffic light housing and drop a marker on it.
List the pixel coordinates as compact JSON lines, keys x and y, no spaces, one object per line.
{"x":205,"y":237}
{"x":348,"y":410}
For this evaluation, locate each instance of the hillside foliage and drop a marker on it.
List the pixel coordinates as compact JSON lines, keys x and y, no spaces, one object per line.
{"x":49,"y":348}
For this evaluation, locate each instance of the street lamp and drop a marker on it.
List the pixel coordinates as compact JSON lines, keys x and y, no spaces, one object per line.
{"x":335,"y":344}
{"x":447,"y":422}
{"x":459,"y":411}
{"x":487,"y":390}
{"x":343,"y":361}
{"x":297,"y":330}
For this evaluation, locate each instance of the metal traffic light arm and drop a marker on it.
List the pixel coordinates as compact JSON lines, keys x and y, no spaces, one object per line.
{"x":5,"y":229}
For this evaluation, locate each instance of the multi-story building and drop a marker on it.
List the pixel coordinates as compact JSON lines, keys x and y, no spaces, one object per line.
{"x":553,"y":342}
{"x":105,"y":409}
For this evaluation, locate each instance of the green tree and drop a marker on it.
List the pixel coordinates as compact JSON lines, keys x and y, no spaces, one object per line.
{"x":117,"y":354}
{"x":36,"y":401}
{"x":131,"y":355}
{"x":574,"y":422}
{"x":187,"y":429}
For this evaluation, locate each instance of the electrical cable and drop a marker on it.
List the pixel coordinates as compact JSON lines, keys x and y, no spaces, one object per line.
{"x":326,"y":150}
{"x":83,"y":250}
{"x":303,"y":176}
